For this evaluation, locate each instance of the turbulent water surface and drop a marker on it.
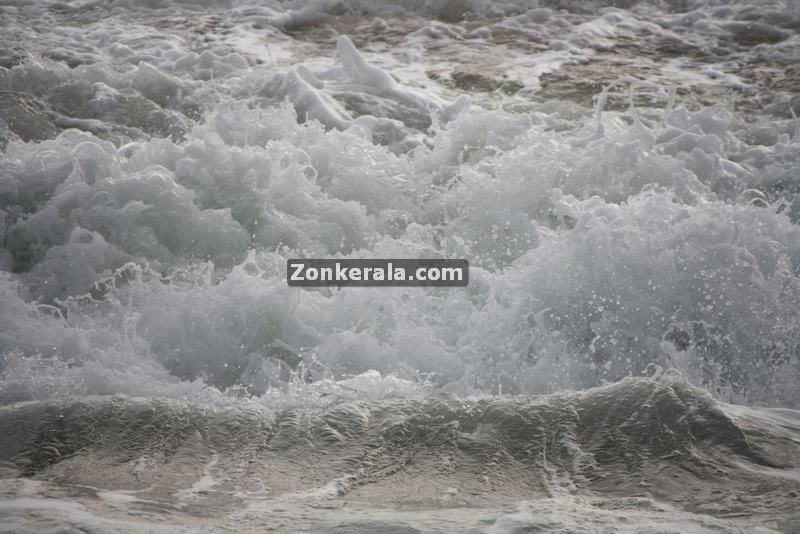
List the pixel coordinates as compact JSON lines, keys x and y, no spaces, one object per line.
{"x":623,"y":177}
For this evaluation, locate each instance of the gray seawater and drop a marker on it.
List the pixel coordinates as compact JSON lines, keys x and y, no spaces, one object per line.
{"x":633,"y":456}
{"x":622,"y":177}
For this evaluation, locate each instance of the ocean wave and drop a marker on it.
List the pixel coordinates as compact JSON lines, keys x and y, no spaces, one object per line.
{"x":639,"y":424}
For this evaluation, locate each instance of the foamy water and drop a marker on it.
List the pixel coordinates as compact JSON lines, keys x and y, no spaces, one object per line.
{"x":622,"y":180}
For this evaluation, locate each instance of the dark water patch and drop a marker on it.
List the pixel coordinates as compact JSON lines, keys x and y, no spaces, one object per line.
{"x":26,"y":117}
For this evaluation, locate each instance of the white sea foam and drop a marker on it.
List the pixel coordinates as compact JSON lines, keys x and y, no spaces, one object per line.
{"x":146,"y":223}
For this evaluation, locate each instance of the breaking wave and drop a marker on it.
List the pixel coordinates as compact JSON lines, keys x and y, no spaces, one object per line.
{"x":152,"y":186}
{"x":622,"y":177}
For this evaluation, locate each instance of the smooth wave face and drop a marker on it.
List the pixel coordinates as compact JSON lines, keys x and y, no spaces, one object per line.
{"x":621,"y":176}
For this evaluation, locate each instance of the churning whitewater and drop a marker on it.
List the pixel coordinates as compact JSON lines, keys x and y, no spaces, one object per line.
{"x":623,"y":177}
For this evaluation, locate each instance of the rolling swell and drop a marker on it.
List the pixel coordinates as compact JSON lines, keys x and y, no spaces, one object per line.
{"x":638,"y":428}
